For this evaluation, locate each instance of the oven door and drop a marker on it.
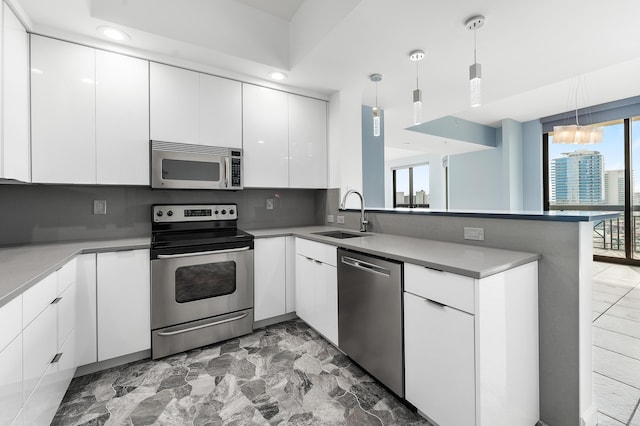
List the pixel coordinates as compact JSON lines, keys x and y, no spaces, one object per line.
{"x":192,"y":286}
{"x":188,"y":170}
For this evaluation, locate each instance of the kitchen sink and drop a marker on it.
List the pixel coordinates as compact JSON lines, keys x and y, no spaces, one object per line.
{"x":340,"y":234}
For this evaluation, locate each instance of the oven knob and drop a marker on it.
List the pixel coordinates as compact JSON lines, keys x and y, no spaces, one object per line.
{"x":216,"y":212}
{"x":231,"y":211}
{"x":224,"y":212}
{"x":159,"y":213}
{"x":169,"y":213}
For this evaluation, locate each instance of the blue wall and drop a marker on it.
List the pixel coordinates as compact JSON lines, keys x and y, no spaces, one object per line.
{"x":372,"y":159}
{"x":532,"y":165}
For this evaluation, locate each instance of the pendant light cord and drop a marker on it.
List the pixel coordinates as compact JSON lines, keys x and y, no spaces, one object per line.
{"x":417,"y":74}
{"x":475,"y":61}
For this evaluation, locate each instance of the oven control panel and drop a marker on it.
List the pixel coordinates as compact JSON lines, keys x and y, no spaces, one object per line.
{"x":194,"y":213}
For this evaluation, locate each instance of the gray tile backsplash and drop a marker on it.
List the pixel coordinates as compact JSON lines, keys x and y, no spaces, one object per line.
{"x":52,"y":213}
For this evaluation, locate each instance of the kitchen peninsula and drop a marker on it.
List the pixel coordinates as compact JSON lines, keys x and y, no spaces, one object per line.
{"x":564,"y":242}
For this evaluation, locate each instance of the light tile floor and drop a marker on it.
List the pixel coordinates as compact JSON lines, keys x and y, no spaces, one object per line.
{"x":616,"y":344}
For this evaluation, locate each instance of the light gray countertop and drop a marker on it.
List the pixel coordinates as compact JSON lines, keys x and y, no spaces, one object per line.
{"x":23,"y":266}
{"x":461,"y":259}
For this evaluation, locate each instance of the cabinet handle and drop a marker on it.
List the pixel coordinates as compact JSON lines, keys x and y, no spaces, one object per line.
{"x":198,"y":327}
{"x":56,"y":358}
{"x":442,"y":305}
{"x":365,"y":266}
{"x":56,"y":300}
{"x":433,"y":269}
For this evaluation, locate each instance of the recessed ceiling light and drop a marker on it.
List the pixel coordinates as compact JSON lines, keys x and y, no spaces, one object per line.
{"x":114,"y":33}
{"x":277,"y":75}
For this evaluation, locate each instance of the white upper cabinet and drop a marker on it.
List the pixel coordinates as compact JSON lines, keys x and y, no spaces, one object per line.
{"x":83,"y":132}
{"x":285,"y":139}
{"x":307,"y":142}
{"x":173,"y":104}
{"x":122,"y":119}
{"x":266,"y":137}
{"x":62,"y":112}
{"x":15,"y":160}
{"x":190,"y":107}
{"x":220,"y":112}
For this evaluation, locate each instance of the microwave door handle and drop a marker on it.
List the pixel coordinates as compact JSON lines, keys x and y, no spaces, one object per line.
{"x":227,"y":172}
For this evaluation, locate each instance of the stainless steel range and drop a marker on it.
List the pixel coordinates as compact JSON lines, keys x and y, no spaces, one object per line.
{"x":201,"y":277}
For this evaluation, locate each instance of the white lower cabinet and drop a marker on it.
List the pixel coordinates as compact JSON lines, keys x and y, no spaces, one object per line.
{"x":124,"y":298}
{"x":48,"y":339}
{"x":270,"y":278}
{"x":317,"y":287}
{"x":86,"y":311}
{"x":53,"y":326}
{"x":471,"y":346}
{"x":274,"y":284}
{"x":439,"y":354}
{"x":11,"y":380}
{"x":40,"y":347}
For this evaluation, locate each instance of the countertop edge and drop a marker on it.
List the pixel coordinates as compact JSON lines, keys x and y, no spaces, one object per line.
{"x":307,"y":233}
{"x":68,"y":251}
{"x":561,"y":216}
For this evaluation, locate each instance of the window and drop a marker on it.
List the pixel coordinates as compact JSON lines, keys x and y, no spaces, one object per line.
{"x":599,"y":177}
{"x":411,"y":186}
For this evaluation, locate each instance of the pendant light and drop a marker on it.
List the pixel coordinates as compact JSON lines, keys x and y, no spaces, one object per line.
{"x":376,"y":78}
{"x":575,"y":133}
{"x":475,"y":70}
{"x":416,"y":56}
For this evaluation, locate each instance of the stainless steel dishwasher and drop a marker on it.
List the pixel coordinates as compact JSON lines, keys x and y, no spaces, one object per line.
{"x":370,"y":315}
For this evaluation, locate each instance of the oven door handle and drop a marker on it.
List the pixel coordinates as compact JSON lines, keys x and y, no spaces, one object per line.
{"x":202,"y":253}
{"x":198,"y":327}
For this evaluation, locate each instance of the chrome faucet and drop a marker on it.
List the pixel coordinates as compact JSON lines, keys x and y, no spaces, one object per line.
{"x":363,"y":221}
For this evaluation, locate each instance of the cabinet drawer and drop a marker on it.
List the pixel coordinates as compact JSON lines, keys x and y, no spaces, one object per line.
{"x":66,"y":314}
{"x":325,"y":253}
{"x":442,"y":287}
{"x":11,"y":321}
{"x":38,"y":297}
{"x":39,"y":343}
{"x":67,"y":274}
{"x":10,"y":381}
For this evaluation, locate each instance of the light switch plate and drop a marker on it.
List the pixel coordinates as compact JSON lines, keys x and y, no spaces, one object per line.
{"x":340,"y":219}
{"x":99,"y":206}
{"x":476,"y":234}
{"x":330,"y":218}
{"x":269,"y":203}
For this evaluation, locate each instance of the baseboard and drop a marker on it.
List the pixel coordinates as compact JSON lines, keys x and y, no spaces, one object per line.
{"x":274,"y":320}
{"x":590,"y":417}
{"x":113,"y":362}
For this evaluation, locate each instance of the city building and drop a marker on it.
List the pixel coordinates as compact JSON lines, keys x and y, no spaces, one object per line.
{"x":614,"y":187}
{"x":577,"y":178}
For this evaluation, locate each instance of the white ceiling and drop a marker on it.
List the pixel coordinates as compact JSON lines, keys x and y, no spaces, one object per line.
{"x":531,"y":52}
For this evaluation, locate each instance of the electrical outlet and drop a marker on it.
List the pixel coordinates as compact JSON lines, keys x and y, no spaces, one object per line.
{"x":330,"y":218}
{"x":99,"y":206}
{"x":269,"y":203}
{"x":474,"y":234}
{"x":340,"y":219}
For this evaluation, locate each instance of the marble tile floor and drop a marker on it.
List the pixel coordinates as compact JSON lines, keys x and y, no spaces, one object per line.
{"x":284,"y":374}
{"x":616,"y":344}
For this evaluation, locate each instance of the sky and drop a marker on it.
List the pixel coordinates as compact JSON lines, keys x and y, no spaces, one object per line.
{"x":612,"y":147}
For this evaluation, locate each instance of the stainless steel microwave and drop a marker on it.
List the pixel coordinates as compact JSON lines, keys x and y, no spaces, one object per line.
{"x":185,"y":166}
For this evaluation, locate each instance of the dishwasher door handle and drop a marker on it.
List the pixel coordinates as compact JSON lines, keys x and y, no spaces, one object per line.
{"x":365,"y":266}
